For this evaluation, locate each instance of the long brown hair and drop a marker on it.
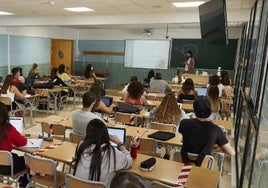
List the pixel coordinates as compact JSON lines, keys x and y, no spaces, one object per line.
{"x":96,"y":89}
{"x":168,"y":111}
{"x":187,"y":86}
{"x":213,"y":96}
{"x":4,"y":119}
{"x":179,"y":74}
{"x":7,"y":83}
{"x":34,"y":66}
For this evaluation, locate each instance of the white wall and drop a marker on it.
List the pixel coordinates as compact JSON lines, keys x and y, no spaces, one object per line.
{"x":107,"y":34}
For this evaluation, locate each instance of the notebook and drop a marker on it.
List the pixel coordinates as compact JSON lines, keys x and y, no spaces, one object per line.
{"x":162,"y":135}
{"x":201,"y":91}
{"x":33,"y":143}
{"x":17,"y":122}
{"x":107,"y":100}
{"x":119,"y":132}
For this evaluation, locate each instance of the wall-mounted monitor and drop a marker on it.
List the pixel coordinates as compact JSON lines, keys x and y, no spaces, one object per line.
{"x":151,"y":54}
{"x":213,"y":22}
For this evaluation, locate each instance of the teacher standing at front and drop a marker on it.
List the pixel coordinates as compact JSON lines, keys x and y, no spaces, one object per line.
{"x":189,"y":63}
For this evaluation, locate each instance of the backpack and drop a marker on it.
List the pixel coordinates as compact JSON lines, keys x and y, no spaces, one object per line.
{"x":126,"y":108}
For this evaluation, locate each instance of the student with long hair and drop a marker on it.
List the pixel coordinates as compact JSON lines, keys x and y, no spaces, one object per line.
{"x":187,"y":91}
{"x":214,"y":80}
{"x":89,"y":73}
{"x":34,"y":71}
{"x":168,"y":112}
{"x":10,"y":137}
{"x":63,"y":75}
{"x":96,"y":159}
{"x":135,"y":95}
{"x":99,"y":105}
{"x":9,"y":86}
{"x":218,"y":108}
{"x":178,"y":79}
{"x":148,"y":79}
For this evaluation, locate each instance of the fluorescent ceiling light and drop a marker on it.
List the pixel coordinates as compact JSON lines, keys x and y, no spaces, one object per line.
{"x":79,"y":9}
{"x":188,"y":4}
{"x":5,"y":13}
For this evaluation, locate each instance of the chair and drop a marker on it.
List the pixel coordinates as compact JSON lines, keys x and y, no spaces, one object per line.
{"x":46,"y":171}
{"x":7,"y":160}
{"x":76,"y":138}
{"x":163,"y":127}
{"x":44,"y":101}
{"x":157,"y":184}
{"x":19,"y":107}
{"x":55,"y":130}
{"x":125,"y":118}
{"x":148,"y":146}
{"x":72,"y":181}
{"x":194,"y":158}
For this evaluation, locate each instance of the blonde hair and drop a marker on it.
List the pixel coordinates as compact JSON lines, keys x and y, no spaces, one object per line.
{"x":168,"y":111}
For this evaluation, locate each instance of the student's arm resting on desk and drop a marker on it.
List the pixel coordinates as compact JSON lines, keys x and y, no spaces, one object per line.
{"x":122,"y":155}
{"x":18,"y":94}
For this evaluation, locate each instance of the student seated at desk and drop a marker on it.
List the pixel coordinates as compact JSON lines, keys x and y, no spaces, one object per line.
{"x":135,"y":95}
{"x":10,"y":90}
{"x":168,"y":112}
{"x":81,"y":117}
{"x":124,"y":90}
{"x":214,"y":80}
{"x":218,"y":108}
{"x":96,"y":158}
{"x":99,"y":105}
{"x":226,"y":82}
{"x":89,"y":73}
{"x":187,"y":91}
{"x":148,"y":79}
{"x":178,"y":79}
{"x":9,"y":136}
{"x":34,"y":71}
{"x":200,"y":134}
{"x":159,"y":85}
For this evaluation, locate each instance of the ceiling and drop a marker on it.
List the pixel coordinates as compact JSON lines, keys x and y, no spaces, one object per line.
{"x":113,"y":13}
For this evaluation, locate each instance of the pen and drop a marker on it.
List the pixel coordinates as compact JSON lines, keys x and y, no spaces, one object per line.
{"x":31,"y":142}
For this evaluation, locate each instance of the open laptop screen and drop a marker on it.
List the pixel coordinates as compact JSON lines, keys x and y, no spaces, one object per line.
{"x":119,"y":132}
{"x":201,"y":91}
{"x":17,"y":122}
{"x":107,"y":100}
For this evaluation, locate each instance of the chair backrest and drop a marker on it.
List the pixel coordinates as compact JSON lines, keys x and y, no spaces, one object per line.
{"x":155,"y":97}
{"x":163,"y":127}
{"x":5,"y":100}
{"x":53,"y":129}
{"x":125,"y":118}
{"x":148,"y":146}
{"x":76,"y":138}
{"x":6,"y":159}
{"x":72,"y":181}
{"x":42,"y":166}
{"x":206,"y":162}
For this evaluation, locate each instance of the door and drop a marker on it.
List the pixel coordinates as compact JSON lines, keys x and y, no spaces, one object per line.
{"x":62,"y":52}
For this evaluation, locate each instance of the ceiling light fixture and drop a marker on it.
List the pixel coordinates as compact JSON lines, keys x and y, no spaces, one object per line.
{"x":79,"y":9}
{"x":188,"y":4}
{"x":2,"y":13}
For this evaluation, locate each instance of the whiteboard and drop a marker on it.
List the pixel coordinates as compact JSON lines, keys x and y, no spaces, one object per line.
{"x":151,"y":54}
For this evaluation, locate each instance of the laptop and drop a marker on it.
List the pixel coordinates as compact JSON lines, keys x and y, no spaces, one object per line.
{"x":119,"y":132}
{"x":201,"y":91}
{"x":17,"y":122}
{"x":107,"y":100}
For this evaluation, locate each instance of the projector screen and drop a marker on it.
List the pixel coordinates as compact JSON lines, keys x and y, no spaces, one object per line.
{"x":151,"y":54}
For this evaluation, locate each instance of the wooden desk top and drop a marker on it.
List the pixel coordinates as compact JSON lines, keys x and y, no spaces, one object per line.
{"x":63,"y":153}
{"x":151,"y":103}
{"x":167,"y":171}
{"x":144,"y":132}
{"x":66,"y":121}
{"x":228,"y":125}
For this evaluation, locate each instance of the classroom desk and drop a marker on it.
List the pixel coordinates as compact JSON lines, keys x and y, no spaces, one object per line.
{"x":144,"y":132}
{"x":30,"y":99}
{"x":66,"y":121}
{"x":167,"y":171}
{"x":228,"y":125}
{"x":63,"y":153}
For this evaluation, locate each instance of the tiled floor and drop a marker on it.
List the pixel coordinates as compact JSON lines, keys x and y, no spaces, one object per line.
{"x":225,"y":181}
